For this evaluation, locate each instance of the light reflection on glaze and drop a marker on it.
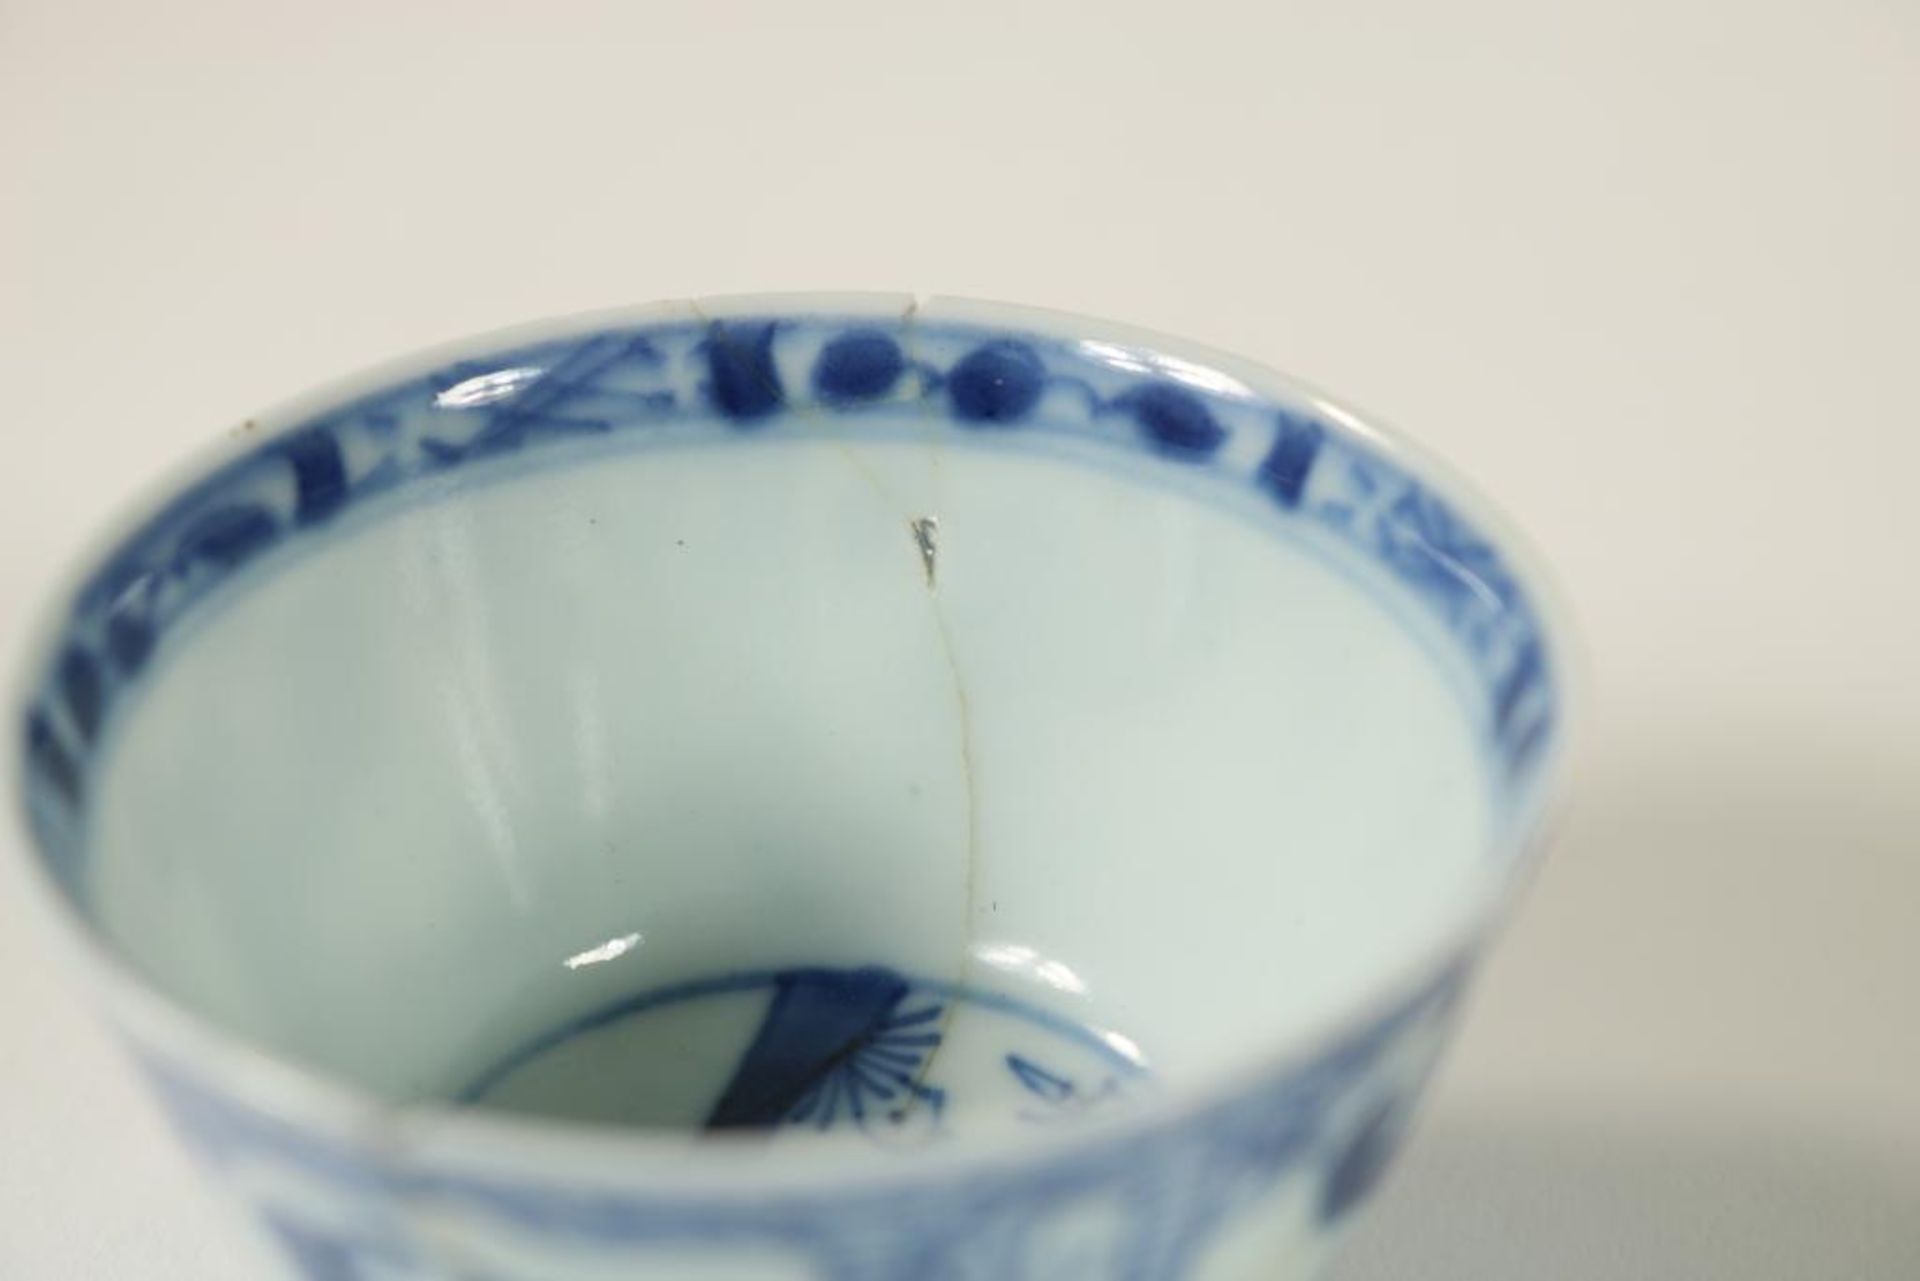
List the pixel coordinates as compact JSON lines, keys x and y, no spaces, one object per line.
{"x":487,"y":388}
{"x":1134,"y":360}
{"x":610,"y":950}
{"x":1017,"y":958}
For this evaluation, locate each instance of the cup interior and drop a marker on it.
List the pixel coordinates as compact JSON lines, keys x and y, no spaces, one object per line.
{"x":790,"y":718}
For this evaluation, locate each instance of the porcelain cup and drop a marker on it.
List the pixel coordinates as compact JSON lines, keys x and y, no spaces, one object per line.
{"x":842,"y":788}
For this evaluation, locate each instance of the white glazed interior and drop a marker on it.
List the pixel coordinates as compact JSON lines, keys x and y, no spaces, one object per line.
{"x":1161,"y":765}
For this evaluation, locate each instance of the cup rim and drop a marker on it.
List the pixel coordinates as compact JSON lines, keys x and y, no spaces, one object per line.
{"x":442,"y":1132}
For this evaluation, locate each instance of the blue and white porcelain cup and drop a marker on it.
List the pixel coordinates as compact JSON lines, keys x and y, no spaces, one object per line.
{"x":843,"y":788}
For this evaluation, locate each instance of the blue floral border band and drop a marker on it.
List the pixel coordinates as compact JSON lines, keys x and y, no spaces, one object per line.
{"x":693,"y":379}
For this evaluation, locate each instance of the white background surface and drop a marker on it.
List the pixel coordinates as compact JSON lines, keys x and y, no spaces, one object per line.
{"x":1646,"y":270}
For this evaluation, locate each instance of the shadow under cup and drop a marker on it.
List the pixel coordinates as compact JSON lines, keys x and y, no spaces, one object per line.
{"x":790,"y":724}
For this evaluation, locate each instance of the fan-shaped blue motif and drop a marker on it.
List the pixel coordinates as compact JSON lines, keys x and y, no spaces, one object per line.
{"x":882,"y":1072}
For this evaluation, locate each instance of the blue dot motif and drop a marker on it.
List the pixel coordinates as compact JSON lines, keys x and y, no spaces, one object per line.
{"x":227,"y":536}
{"x":859,"y":365}
{"x":1174,"y":420}
{"x":999,"y":382}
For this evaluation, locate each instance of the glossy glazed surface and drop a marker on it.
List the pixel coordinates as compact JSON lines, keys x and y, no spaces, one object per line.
{"x":913,"y":724}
